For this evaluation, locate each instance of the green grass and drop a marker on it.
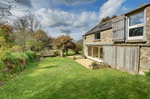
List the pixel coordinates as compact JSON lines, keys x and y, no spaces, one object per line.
{"x":70,"y":53}
{"x":63,"y":78}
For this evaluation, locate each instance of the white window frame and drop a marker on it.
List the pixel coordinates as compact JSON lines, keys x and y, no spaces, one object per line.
{"x":135,"y":26}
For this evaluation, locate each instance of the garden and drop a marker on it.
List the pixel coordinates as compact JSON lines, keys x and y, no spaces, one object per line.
{"x":23,"y":44}
{"x":62,"y":77}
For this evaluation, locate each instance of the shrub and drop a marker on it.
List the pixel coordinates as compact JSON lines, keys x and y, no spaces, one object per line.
{"x":16,"y":61}
{"x":16,"y":48}
{"x":46,"y":49}
{"x":38,"y":55}
{"x":57,"y":53}
{"x":94,"y":64}
{"x":147,"y":73}
{"x":1,"y":66}
{"x":31,"y":55}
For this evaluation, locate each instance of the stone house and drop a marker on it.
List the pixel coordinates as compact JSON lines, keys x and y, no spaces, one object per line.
{"x":123,"y":42}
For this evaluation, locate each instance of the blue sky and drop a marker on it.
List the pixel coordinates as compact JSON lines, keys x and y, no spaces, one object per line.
{"x":75,"y":17}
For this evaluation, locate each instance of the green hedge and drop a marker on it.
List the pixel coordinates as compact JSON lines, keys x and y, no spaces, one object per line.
{"x":17,"y":61}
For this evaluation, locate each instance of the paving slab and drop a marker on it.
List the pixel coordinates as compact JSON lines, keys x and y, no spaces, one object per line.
{"x":85,"y":62}
{"x":73,"y":56}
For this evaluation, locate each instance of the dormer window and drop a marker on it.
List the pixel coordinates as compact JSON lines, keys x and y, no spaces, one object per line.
{"x":135,"y":26}
{"x":97,"y":36}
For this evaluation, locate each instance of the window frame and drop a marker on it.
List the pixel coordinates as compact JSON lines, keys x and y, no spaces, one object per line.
{"x":95,"y":35}
{"x":101,"y":57}
{"x":135,"y":26}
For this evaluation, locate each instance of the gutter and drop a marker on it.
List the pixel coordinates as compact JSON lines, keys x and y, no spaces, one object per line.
{"x":116,"y":45}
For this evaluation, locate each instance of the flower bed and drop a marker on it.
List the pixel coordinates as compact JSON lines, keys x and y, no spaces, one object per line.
{"x":96,"y":65}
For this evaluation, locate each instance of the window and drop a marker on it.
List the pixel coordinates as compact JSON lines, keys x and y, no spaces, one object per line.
{"x":135,"y":26}
{"x":89,"y":51}
{"x":97,"y":36}
{"x":95,"y":52}
{"x":101,"y":53}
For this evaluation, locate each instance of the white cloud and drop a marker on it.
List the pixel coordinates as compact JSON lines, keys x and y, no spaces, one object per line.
{"x":65,"y":21}
{"x":110,"y":8}
{"x":85,"y":19}
{"x":124,"y":8}
{"x":51,"y":18}
{"x":73,"y":1}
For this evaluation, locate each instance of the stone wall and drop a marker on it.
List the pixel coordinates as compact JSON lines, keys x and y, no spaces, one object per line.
{"x":106,"y":38}
{"x":148,"y":25}
{"x":144,"y":59}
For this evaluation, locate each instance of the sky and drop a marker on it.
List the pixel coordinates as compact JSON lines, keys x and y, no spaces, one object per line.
{"x":74,"y":17}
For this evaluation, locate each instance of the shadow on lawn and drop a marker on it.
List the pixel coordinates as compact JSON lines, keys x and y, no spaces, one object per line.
{"x":47,"y":67}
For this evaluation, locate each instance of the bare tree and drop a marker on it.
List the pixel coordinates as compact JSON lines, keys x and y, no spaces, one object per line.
{"x":29,"y":22}
{"x":21,"y":24}
{"x":33,"y":22}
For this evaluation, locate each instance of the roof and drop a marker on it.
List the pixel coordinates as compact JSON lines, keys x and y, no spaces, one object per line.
{"x":140,"y":7}
{"x":108,"y":24}
{"x":100,"y":27}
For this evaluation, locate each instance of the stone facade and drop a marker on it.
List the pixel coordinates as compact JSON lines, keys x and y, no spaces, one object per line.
{"x":106,"y":38}
{"x":147,"y":25}
{"x":144,"y":59}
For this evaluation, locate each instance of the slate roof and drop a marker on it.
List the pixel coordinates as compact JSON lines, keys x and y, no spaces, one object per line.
{"x":108,"y":24}
{"x":140,"y":7}
{"x":100,"y":27}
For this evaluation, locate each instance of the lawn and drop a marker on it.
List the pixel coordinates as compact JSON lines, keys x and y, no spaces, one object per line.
{"x":63,"y":78}
{"x":70,"y":53}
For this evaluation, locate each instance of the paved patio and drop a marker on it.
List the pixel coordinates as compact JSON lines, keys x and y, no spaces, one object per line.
{"x":84,"y":62}
{"x":73,"y":56}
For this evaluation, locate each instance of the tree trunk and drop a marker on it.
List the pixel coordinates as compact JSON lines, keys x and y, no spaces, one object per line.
{"x":62,"y":53}
{"x":67,"y":52}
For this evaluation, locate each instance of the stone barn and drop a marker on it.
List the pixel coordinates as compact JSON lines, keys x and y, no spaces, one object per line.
{"x":123,"y":42}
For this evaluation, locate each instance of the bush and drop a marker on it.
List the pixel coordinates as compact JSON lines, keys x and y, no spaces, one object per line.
{"x":1,"y":66}
{"x":94,"y":64}
{"x":31,"y":55}
{"x":147,"y":73}
{"x":38,"y":55}
{"x":16,"y":48}
{"x":57,"y":53}
{"x":16,"y":61}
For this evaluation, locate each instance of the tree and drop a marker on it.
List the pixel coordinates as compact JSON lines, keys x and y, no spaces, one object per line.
{"x":29,"y":22}
{"x":114,"y":16}
{"x":105,"y":19}
{"x":33,"y":22}
{"x":21,"y":23}
{"x":64,"y":43}
{"x":42,"y":39}
{"x":108,"y":18}
{"x":79,"y":45}
{"x":8,"y":32}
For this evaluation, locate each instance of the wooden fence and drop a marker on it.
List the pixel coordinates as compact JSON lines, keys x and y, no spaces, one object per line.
{"x":122,"y":58}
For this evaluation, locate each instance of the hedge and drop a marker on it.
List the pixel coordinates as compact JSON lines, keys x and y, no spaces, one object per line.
{"x":16,"y":61}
